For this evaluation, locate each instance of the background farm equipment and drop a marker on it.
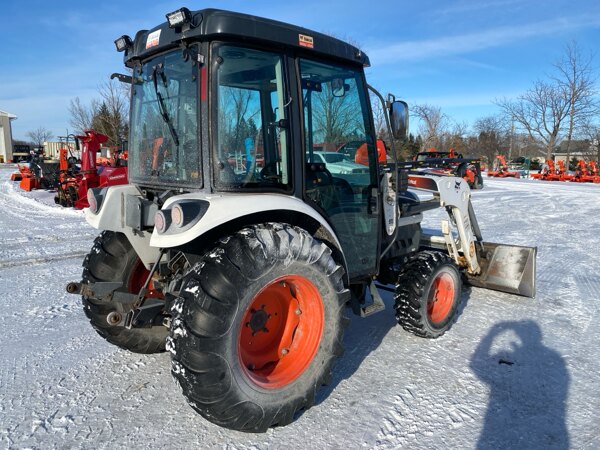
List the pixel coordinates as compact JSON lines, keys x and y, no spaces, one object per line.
{"x":74,"y":185}
{"x":552,"y":171}
{"x":451,"y":164}
{"x":37,"y":174}
{"x":501,"y":169}
{"x":586,"y":172}
{"x":546,"y":172}
{"x":68,"y":178}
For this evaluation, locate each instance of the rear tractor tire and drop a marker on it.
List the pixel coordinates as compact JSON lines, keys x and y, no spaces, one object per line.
{"x":113,"y":259}
{"x":258,"y":326}
{"x":428,"y":294}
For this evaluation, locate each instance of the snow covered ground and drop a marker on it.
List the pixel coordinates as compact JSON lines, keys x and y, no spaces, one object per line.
{"x":512,"y":373}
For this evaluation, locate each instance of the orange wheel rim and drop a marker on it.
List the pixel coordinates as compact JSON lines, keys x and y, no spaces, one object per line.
{"x":281,"y":331}
{"x":441,"y":297}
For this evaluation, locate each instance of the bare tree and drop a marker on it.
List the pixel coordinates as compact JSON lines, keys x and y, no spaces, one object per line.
{"x":115,"y":123}
{"x":492,"y":136}
{"x":591,"y":131}
{"x":108,"y":115}
{"x":541,"y":111}
{"x":454,"y":137}
{"x":335,"y":119}
{"x":557,"y":108}
{"x":433,"y":124}
{"x":575,"y":78}
{"x":237,"y":110}
{"x":381,"y":128}
{"x":81,"y":115}
{"x":39,"y":136}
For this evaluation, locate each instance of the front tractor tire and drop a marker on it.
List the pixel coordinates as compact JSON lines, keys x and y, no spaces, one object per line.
{"x":113,"y":259}
{"x":428,"y":294}
{"x":258,"y":326}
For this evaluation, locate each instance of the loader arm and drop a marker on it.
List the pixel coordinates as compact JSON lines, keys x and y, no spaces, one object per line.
{"x":501,"y":267}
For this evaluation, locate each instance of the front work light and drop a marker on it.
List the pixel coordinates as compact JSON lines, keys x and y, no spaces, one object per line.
{"x":179,"y":17}
{"x":123,"y":43}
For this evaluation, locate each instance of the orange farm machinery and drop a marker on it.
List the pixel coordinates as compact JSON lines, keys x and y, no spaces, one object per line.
{"x":501,"y":169}
{"x":451,"y":164}
{"x":586,"y":172}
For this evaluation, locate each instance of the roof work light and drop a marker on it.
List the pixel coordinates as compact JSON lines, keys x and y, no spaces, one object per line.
{"x":179,"y":17}
{"x":123,"y":43}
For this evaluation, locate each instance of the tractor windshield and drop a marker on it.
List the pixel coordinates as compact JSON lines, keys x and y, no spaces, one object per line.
{"x":163,"y":147}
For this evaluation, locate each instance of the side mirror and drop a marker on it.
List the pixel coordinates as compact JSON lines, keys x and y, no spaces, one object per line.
{"x":399,"y":119}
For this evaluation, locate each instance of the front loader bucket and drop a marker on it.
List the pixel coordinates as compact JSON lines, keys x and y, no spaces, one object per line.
{"x":506,"y":268}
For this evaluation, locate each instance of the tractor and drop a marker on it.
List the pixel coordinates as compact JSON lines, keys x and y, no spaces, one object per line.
{"x":246,"y":273}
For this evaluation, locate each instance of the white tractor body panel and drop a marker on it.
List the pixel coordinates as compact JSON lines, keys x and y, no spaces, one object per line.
{"x":223,"y":208}
{"x":111,"y":217}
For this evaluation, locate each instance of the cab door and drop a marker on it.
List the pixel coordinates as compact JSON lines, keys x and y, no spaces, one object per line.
{"x":341,"y":175}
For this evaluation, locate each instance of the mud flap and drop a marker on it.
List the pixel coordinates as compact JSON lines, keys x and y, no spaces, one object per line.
{"x":506,"y":268}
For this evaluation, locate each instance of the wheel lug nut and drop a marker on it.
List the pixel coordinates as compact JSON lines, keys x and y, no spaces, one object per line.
{"x":298,"y":312}
{"x":284,"y":351}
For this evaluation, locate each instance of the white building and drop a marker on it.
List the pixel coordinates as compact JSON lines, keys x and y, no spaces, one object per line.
{"x":6,"y":149}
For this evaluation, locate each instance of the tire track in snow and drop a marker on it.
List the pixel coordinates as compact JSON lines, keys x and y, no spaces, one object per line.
{"x":42,"y":260}
{"x":402,"y":424}
{"x":41,"y":239}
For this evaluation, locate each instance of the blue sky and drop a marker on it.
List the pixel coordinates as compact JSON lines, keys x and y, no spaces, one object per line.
{"x":458,"y":55}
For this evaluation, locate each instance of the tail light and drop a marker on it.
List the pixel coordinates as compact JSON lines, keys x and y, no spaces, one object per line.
{"x":95,"y":196}
{"x":186,"y":213}
{"x":162,"y":221}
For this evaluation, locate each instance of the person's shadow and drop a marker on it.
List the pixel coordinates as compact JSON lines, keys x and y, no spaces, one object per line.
{"x":529,"y":384}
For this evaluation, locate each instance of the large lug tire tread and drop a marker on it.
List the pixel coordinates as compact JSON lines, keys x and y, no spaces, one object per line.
{"x":412,"y":290}
{"x":112,"y":259}
{"x":207,"y":318}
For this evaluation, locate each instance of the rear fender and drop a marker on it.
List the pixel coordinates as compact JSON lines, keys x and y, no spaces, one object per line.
{"x":224,"y":208}
{"x":112,"y":217}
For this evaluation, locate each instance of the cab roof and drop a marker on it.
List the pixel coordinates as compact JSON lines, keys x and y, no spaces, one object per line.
{"x":215,"y":24}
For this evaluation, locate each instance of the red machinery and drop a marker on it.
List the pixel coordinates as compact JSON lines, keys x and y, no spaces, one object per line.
{"x":109,"y":176}
{"x":547,"y":172}
{"x":68,"y":179}
{"x":562,"y":172}
{"x":73,"y":187}
{"x":28,"y":179}
{"x":586,"y":173}
{"x":593,"y":171}
{"x":31,"y":176}
{"x":502,"y":169}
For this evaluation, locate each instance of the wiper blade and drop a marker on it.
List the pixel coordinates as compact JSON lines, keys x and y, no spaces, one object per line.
{"x":161,"y":104}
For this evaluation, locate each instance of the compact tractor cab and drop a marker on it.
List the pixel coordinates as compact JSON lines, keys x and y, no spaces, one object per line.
{"x":238,"y":251}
